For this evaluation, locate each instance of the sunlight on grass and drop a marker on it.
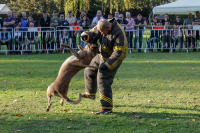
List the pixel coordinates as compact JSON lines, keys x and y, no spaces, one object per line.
{"x":151,"y":93}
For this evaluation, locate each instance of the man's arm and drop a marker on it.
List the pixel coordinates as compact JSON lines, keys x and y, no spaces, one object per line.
{"x":52,"y":39}
{"x":119,"y":53}
{"x":145,"y":23}
{"x":195,"y":23}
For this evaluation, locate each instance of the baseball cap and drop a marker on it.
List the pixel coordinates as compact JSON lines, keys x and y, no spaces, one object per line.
{"x":69,"y":11}
{"x":44,"y":11}
{"x":61,"y":15}
{"x":54,"y":11}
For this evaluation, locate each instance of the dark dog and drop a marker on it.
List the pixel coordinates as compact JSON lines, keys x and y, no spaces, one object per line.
{"x":72,"y":65}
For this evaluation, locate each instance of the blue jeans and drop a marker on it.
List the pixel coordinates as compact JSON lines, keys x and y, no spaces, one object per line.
{"x":130,"y":38}
{"x":140,"y":39}
{"x":166,"y":39}
{"x":175,"y":42}
{"x":155,"y":39}
{"x":83,"y":44}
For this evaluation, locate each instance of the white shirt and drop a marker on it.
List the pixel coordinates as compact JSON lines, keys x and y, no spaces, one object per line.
{"x":96,"y":20}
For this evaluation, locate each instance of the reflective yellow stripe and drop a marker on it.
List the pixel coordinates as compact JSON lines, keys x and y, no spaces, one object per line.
{"x":106,"y":49}
{"x":121,"y":48}
{"x":125,"y":39}
{"x":117,"y":62}
{"x":107,"y":99}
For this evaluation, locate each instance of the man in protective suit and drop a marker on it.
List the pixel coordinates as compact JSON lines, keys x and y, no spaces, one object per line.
{"x":113,"y":50}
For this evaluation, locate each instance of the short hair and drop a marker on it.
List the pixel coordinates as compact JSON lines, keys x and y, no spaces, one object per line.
{"x":110,"y":14}
{"x":128,"y":13}
{"x":139,"y":15}
{"x":30,"y":17}
{"x":121,"y":15}
{"x":103,"y":24}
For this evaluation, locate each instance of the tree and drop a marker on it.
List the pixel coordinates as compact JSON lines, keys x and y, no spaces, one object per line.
{"x":119,"y":5}
{"x":33,"y":6}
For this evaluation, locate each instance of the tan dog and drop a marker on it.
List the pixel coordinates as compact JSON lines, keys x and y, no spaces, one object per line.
{"x":72,"y":65}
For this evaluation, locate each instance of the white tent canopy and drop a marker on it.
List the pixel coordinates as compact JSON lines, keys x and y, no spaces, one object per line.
{"x":4,"y":9}
{"x":178,"y":7}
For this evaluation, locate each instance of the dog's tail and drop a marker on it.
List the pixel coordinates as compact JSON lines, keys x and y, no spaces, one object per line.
{"x":69,"y":100}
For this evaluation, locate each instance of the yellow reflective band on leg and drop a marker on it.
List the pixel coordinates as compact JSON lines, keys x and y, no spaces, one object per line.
{"x":107,"y":99}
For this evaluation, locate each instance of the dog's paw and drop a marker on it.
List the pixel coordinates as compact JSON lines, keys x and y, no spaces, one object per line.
{"x":47,"y":110}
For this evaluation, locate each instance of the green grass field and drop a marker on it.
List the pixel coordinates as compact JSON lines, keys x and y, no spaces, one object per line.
{"x":152,"y":92}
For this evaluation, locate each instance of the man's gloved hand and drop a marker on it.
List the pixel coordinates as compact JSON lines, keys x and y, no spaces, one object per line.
{"x":103,"y":67}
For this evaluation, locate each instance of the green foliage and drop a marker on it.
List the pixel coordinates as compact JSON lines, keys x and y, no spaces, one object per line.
{"x":161,"y":88}
{"x":33,"y":6}
{"x":63,"y":6}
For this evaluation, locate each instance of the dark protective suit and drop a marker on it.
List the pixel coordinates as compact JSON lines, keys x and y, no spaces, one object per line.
{"x":113,"y":48}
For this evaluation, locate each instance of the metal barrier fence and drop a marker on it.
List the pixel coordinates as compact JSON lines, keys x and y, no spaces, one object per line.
{"x":146,"y":39}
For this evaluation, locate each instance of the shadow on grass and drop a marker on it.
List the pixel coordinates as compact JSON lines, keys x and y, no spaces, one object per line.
{"x":117,"y":121}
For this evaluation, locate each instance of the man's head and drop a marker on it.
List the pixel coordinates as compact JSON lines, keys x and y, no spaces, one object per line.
{"x":44,"y":14}
{"x":15,"y":14}
{"x":69,"y":13}
{"x":190,"y":15}
{"x":31,"y":24}
{"x":177,"y":18}
{"x":197,"y":14}
{"x":9,"y":14}
{"x":116,"y":14}
{"x":54,"y":13}
{"x":139,"y":17}
{"x":24,"y":14}
{"x":98,"y":16}
{"x":121,"y":17}
{"x":62,"y":17}
{"x":155,"y":16}
{"x":128,"y":14}
{"x":110,"y":16}
{"x":104,"y":26}
{"x":99,"y":12}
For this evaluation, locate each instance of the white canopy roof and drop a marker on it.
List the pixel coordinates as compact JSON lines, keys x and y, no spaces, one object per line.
{"x":4,"y":9}
{"x":178,"y":7}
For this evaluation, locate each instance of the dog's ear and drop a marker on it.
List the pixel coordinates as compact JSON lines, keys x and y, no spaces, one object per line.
{"x":79,"y":46}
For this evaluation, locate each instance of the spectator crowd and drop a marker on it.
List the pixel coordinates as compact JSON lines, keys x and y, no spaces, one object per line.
{"x":19,"y":34}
